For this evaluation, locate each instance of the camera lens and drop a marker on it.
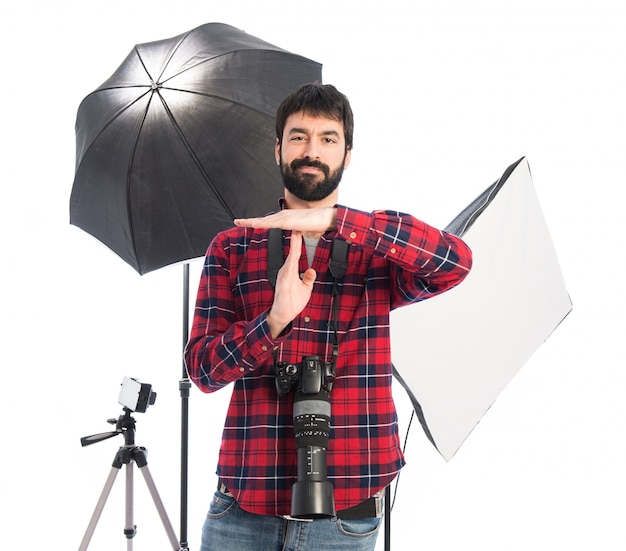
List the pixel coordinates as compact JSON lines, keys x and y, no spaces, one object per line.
{"x":311,"y":419}
{"x":312,"y":494}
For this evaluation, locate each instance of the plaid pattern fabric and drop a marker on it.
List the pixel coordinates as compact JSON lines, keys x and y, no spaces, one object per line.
{"x":393,"y":260}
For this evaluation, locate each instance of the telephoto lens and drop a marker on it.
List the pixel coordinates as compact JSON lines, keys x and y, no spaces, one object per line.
{"x":312,"y":495}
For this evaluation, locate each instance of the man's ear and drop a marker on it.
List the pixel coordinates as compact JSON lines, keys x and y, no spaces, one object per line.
{"x":346,"y":161}
{"x":277,"y":151}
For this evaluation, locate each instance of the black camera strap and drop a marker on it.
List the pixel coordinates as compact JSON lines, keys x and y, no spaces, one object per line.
{"x":338,"y":266}
{"x":275,"y":258}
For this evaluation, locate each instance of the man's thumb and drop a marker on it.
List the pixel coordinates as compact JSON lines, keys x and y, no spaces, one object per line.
{"x":309,"y":277}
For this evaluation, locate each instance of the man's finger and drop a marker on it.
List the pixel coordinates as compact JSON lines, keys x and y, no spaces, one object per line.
{"x":295,"y":248}
{"x":309,"y":278}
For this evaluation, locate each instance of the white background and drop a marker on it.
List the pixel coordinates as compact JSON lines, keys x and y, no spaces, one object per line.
{"x":446,"y":95}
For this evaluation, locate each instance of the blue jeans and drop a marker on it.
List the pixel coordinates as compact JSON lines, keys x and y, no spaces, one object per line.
{"x":230,"y":528}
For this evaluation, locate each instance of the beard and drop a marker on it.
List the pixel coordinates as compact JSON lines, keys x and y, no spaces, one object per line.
{"x":310,"y":187}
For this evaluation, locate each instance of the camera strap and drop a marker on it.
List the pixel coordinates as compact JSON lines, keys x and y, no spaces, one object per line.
{"x":338,"y":265}
{"x":275,"y":258}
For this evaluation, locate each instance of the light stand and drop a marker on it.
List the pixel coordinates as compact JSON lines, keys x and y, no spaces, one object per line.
{"x":126,"y":455}
{"x":184,"y":386}
{"x":388,"y":518}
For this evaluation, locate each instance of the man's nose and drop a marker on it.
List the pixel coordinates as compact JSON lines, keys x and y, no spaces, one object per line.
{"x":311,"y":150}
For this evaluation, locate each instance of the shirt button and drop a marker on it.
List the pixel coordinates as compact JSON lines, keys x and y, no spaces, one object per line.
{"x":352,"y":235}
{"x":392,"y":250}
{"x":307,"y":319}
{"x":264,"y":348}
{"x":302,"y":275}
{"x":242,"y":369}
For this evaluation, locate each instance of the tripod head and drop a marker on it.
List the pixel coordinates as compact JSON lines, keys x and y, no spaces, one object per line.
{"x":134,"y":396}
{"x":124,"y":424}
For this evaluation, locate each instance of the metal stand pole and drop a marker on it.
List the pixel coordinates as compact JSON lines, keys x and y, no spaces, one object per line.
{"x":183,"y":386}
{"x":388,"y":518}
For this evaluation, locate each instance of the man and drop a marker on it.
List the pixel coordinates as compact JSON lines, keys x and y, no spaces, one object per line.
{"x":244,"y":327}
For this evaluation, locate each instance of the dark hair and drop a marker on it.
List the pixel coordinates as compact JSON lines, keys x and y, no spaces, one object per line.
{"x":318,"y":100}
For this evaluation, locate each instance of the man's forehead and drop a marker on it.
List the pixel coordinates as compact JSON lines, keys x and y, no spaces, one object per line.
{"x":303,"y":120}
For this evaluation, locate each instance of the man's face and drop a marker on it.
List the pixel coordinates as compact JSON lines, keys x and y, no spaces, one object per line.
{"x":312,"y":156}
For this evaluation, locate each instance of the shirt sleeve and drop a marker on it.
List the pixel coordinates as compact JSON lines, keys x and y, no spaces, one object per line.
{"x":222,"y":347}
{"x":424,"y":260}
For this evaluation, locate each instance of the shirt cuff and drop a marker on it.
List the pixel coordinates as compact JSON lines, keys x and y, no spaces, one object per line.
{"x":356,"y":226}
{"x":259,"y":339}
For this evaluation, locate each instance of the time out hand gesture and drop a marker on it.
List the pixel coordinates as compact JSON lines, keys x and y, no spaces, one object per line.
{"x":309,"y":220}
{"x":292,"y":293}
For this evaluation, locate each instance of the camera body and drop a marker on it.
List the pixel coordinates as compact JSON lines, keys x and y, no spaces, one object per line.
{"x":310,"y":376}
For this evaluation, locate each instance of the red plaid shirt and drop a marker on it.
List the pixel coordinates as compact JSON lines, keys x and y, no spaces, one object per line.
{"x":393,"y":260}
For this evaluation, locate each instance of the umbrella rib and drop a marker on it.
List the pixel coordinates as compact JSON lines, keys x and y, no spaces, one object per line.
{"x":164,"y":67}
{"x":268,"y":47}
{"x":161,"y":82}
{"x":189,"y":149}
{"x":178,"y":46}
{"x":231,"y":101}
{"x":180,"y":43}
{"x":195,"y":157}
{"x":207,"y":60}
{"x":114,"y":118}
{"x":216,"y":96}
{"x":128,"y":181}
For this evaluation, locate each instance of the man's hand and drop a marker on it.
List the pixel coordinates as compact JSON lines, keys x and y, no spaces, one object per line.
{"x":292,"y":293}
{"x":313,"y":220}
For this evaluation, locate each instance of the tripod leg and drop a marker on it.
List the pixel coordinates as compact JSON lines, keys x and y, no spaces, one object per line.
{"x":142,"y":463}
{"x":129,"y":527}
{"x":99,"y":507}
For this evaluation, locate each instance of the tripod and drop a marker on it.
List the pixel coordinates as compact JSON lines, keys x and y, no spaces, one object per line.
{"x":127,"y":454}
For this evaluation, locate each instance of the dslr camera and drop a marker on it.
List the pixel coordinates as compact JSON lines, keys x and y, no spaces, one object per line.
{"x":309,"y":376}
{"x":312,"y":495}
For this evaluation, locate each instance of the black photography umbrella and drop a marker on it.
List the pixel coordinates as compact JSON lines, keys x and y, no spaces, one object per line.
{"x":179,"y":141}
{"x":176,"y":144}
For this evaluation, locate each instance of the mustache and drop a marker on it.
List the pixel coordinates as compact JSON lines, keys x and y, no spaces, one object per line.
{"x":299,"y":163}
